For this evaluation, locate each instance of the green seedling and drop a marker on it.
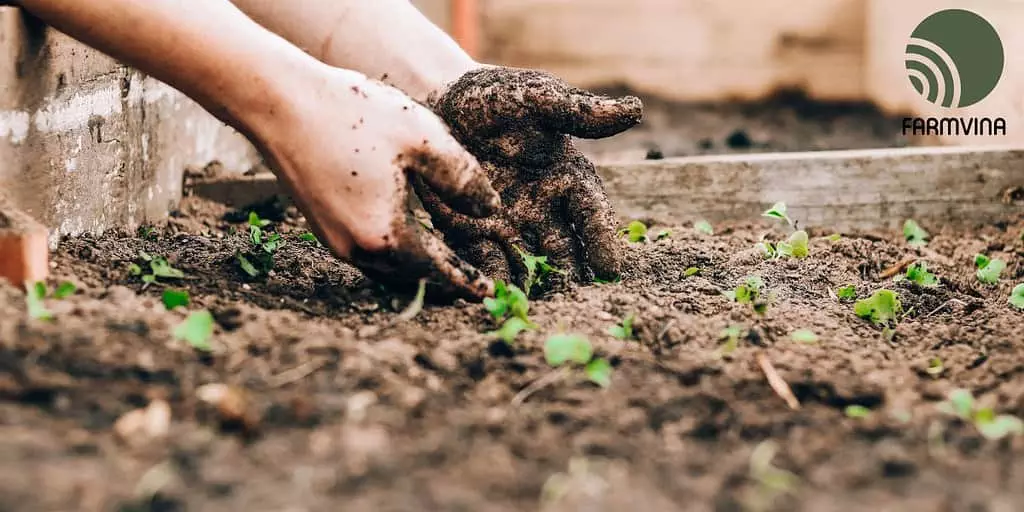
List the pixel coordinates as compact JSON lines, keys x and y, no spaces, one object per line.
{"x":771,"y":481}
{"x":882,"y":308}
{"x":857,"y":411}
{"x":914,"y":234}
{"x":835,"y":237}
{"x":804,"y":336}
{"x":635,"y":232}
{"x":778,"y":211}
{"x":795,"y":247}
{"x":537,"y":269}
{"x":511,"y":329}
{"x":259,"y":260}
{"x":624,"y":330}
{"x":848,"y":292}
{"x":508,"y":300}
{"x":576,"y":349}
{"x":918,"y":274}
{"x":692,"y":271}
{"x":731,"y":336}
{"x":175,"y":298}
{"x":935,"y":367}
{"x":989,"y":270}
{"x":310,"y":237}
{"x":159,"y":268}
{"x":993,"y":427}
{"x":663,"y":235}
{"x":34,"y":295}
{"x":703,"y":226}
{"x":147,"y":232}
{"x":598,"y":280}
{"x":1017,"y":297}
{"x":65,"y":290}
{"x":767,"y":249}
{"x":416,"y":305}
{"x":748,"y":292}
{"x":196,"y":330}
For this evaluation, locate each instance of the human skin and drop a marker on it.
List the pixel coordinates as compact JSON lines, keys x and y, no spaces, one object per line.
{"x":343,"y":144}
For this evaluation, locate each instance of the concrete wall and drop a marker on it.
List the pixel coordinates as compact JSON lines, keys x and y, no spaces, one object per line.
{"x":87,"y":144}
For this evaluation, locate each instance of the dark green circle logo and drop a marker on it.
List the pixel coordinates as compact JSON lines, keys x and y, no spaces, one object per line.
{"x":955,"y":58}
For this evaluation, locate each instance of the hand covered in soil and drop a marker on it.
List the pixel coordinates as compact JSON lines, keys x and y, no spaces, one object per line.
{"x":518,"y":123}
{"x":345,"y":151}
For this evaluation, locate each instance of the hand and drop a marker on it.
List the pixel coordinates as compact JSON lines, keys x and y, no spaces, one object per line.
{"x":345,"y":149}
{"x":518,"y":123}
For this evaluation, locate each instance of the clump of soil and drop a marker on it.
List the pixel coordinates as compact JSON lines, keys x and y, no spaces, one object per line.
{"x":355,"y":410}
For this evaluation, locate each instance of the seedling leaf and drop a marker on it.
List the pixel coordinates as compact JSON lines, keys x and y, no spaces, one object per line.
{"x":999,"y":427}
{"x":662,"y":235}
{"x":881,"y":308}
{"x":778,"y":211}
{"x":624,"y":330}
{"x":599,"y":371}
{"x":34,"y":295}
{"x":981,"y":261}
{"x":255,"y":220}
{"x":247,"y":266}
{"x":635,"y":232}
{"x":508,"y":300}
{"x":731,"y":335}
{"x":511,"y":329}
{"x":65,"y":290}
{"x":537,"y":268}
{"x":416,"y":305}
{"x":161,"y":268}
{"x":703,"y":226}
{"x":990,"y":273}
{"x":134,"y":269}
{"x":857,"y":411}
{"x":795,"y":247}
{"x":918,"y":274}
{"x":692,"y":271}
{"x":196,"y":330}
{"x":914,"y":233}
{"x":1017,"y":297}
{"x":562,"y":348}
{"x":175,"y":298}
{"x":935,"y":367}
{"x":848,"y":292}
{"x":310,"y":237}
{"x":598,"y":280}
{"x":804,"y":336}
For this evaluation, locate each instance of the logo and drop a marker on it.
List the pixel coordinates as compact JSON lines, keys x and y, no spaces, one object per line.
{"x":954,"y":58}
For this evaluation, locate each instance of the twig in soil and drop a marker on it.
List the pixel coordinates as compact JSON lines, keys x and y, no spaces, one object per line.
{"x":897,"y":268}
{"x":295,"y":374}
{"x":944,"y":306}
{"x":539,"y":384}
{"x":775,"y":381}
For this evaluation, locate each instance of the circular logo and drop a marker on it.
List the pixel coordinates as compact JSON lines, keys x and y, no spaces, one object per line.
{"x":954,"y":58}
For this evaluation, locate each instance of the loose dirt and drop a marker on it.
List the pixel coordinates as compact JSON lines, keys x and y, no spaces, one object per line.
{"x":347,"y":408}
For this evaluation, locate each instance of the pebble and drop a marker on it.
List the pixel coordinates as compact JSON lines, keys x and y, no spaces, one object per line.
{"x":140,"y":426}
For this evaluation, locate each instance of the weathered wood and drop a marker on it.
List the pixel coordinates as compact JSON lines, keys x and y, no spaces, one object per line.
{"x":24,"y":251}
{"x":836,"y":189}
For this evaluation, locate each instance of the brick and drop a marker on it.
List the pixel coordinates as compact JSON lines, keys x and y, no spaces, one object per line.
{"x":24,"y":249}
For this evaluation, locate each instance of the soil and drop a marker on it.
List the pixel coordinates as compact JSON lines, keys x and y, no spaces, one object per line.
{"x":335,"y":402}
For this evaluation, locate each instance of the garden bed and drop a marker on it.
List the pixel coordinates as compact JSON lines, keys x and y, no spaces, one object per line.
{"x":351,"y":407}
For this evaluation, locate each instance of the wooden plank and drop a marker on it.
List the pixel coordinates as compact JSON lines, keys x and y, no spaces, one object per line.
{"x":835,"y":189}
{"x":24,"y":251}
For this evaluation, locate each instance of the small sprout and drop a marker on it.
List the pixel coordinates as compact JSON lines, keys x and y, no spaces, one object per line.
{"x":662,"y":235}
{"x":196,"y":330}
{"x":835,"y":237}
{"x":416,"y":305}
{"x":1017,"y":297}
{"x":767,"y":250}
{"x":256,"y":221}
{"x":511,"y":329}
{"x":635,"y":232}
{"x":599,"y":371}
{"x":259,"y":260}
{"x":34,"y":295}
{"x":989,"y":270}
{"x":598,"y":280}
{"x":537,"y":269}
{"x":748,"y":292}
{"x":175,"y":298}
{"x":881,"y":308}
{"x":960,"y":404}
{"x":857,"y":411}
{"x":915,"y":234}
{"x":804,"y":336}
{"x":692,"y":271}
{"x":848,"y":292}
{"x":568,"y":348}
{"x":731,"y":335}
{"x":134,"y":269}
{"x":778,"y":211}
{"x":935,"y":367}
{"x":247,"y":266}
{"x":919,"y":275}
{"x":310,"y":237}
{"x":147,"y":232}
{"x":624,"y":330}
{"x":65,"y":290}
{"x":162,"y":268}
{"x":508,"y":300}
{"x":703,"y":226}
{"x":991,"y":426}
{"x":795,"y":247}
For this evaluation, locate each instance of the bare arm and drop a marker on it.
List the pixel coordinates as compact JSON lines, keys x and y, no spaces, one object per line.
{"x":376,"y":37}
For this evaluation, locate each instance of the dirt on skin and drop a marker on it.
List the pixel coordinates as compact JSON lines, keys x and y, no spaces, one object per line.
{"x":349,"y":408}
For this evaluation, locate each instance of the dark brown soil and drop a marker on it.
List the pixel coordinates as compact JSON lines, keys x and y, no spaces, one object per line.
{"x":354,"y":412}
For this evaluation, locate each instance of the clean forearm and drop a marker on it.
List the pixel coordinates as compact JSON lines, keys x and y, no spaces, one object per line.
{"x":380,"y":38}
{"x":208,"y":49}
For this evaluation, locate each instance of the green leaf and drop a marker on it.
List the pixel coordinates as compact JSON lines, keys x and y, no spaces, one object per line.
{"x":511,"y":329}
{"x":881,"y":308}
{"x":848,"y":292}
{"x":518,"y":303}
{"x":798,"y":244}
{"x":981,"y":261}
{"x":703,"y":226}
{"x":65,"y":290}
{"x":416,"y":305}
{"x":857,"y":411}
{"x":835,"y":237}
{"x":255,"y":235}
{"x":778,"y":211}
{"x":692,"y":271}
{"x":537,"y":269}
{"x":175,"y":298}
{"x":636,"y":231}
{"x":961,"y":403}
{"x":255,"y":220}
{"x":1017,"y":297}
{"x":599,"y":371}
{"x":749,"y":291}
{"x":731,"y":335}
{"x":310,"y":237}
{"x":149,"y":279}
{"x":662,"y":235}
{"x":935,"y":367}
{"x":145,"y":256}
{"x":508,"y":300}
{"x":161,"y":268}
{"x":804,"y":336}
{"x":598,"y":280}
{"x":1000,"y":426}
{"x":247,"y":266}
{"x":990,"y":273}
{"x":196,"y":330}
{"x":134,"y":270}
{"x":767,"y":249}
{"x":918,"y":274}
{"x":914,"y":233}
{"x":624,"y":330}
{"x":562,"y":348}
{"x":34,"y":295}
